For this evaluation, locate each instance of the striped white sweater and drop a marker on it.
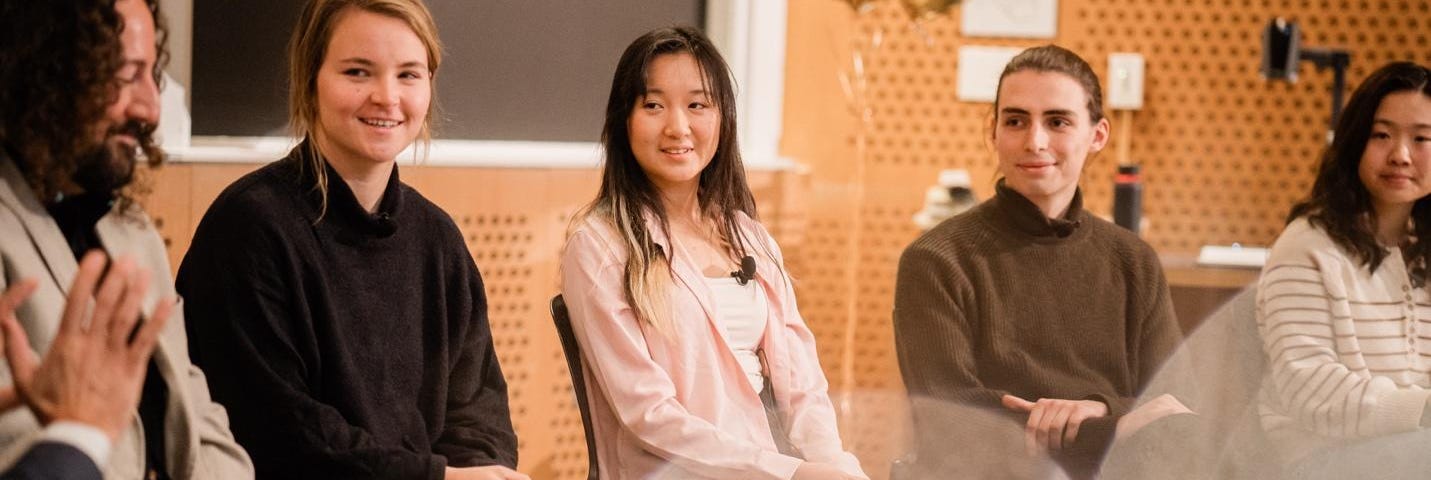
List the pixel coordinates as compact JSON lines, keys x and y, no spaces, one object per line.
{"x":1348,"y":349}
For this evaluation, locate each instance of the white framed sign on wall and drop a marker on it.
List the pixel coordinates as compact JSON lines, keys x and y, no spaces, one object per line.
{"x":1010,"y":18}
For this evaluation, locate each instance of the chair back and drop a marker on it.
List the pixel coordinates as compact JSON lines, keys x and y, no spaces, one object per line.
{"x":569,"y":347}
{"x":1218,"y":372}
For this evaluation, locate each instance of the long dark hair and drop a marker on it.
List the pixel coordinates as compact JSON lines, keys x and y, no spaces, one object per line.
{"x":1339,"y":203}
{"x":626,"y":196}
{"x":57,"y":77}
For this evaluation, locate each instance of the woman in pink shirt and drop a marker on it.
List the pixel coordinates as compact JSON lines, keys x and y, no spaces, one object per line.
{"x":700,"y":363}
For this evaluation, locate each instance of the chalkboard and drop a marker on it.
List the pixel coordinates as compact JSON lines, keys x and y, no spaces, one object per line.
{"x":536,"y":70}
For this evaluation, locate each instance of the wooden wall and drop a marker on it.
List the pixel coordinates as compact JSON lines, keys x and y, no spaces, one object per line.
{"x":1224,"y":154}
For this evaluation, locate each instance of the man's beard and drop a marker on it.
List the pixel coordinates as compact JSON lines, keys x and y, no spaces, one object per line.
{"x":110,"y":166}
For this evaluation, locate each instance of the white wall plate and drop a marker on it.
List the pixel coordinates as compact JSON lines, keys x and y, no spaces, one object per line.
{"x":979,"y":69}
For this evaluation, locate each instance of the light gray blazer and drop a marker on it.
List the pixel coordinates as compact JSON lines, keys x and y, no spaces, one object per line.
{"x":198,"y":441}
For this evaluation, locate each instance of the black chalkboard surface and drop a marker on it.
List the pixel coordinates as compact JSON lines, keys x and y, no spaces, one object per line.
{"x":535,"y":70}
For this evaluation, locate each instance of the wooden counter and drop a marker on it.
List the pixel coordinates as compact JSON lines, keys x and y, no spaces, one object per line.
{"x":1197,"y":290}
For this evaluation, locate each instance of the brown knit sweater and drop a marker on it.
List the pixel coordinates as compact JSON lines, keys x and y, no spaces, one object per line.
{"x":1003,"y":300}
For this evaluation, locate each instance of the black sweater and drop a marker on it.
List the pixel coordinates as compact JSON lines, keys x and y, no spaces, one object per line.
{"x":355,"y":346}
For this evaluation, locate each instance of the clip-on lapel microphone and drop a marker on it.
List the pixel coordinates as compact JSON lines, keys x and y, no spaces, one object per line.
{"x":746,"y":272}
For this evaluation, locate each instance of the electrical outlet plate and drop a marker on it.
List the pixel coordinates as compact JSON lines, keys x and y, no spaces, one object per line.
{"x":1125,"y":81}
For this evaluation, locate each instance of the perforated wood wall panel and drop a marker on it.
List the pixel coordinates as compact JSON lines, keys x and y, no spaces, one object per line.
{"x":514,"y":222}
{"x":1224,"y":154}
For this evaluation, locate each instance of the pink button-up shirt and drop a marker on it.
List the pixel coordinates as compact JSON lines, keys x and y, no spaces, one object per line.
{"x":676,"y":404}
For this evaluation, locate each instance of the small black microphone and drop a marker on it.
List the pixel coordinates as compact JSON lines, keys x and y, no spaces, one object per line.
{"x":746,"y":272}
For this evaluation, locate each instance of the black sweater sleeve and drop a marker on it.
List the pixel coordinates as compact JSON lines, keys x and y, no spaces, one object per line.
{"x":53,"y":461}
{"x":478,"y":430}
{"x":244,"y":310}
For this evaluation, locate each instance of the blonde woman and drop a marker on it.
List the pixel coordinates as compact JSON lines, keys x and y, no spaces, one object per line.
{"x":342,"y":318}
{"x":700,"y":364}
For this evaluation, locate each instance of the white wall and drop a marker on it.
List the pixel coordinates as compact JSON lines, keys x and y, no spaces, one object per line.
{"x":179,"y":18}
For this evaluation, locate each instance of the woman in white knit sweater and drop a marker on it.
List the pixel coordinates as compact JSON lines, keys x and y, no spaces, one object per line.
{"x":1343,"y":307}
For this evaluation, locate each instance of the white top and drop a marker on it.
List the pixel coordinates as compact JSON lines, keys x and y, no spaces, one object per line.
{"x":1349,"y":349}
{"x":742,"y":311}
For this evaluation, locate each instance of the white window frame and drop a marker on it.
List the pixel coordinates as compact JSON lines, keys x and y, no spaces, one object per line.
{"x":751,"y":36}
{"x":749,"y":33}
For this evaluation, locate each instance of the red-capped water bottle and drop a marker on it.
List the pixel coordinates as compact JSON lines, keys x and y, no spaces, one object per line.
{"x":1128,"y":198}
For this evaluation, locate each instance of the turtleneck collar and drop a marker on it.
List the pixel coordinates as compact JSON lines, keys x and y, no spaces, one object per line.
{"x":1011,"y":208}
{"x":344,"y":211}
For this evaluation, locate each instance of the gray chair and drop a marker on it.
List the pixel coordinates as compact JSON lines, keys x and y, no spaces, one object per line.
{"x":1217,"y":372}
{"x":902,"y":468}
{"x":572,"y":350}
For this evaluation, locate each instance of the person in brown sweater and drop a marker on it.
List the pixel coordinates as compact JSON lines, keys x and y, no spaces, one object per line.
{"x":1027,"y":326}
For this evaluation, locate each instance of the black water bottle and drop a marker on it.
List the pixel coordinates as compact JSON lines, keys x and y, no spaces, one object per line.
{"x":1128,"y":198}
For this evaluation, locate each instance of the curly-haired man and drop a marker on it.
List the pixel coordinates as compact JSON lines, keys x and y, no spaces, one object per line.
{"x":78,"y":104}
